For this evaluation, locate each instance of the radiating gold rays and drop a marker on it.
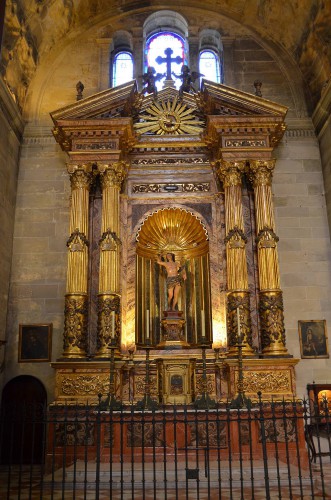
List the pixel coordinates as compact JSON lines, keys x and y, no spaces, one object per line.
{"x":169,"y":117}
{"x":172,"y":230}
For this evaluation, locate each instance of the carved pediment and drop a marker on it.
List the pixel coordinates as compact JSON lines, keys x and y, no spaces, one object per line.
{"x":117,"y":117}
{"x":217,"y":99}
{"x":110,"y":103}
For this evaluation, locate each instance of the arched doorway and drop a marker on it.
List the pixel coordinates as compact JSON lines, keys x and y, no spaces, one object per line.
{"x":22,"y":431}
{"x":182,"y":233}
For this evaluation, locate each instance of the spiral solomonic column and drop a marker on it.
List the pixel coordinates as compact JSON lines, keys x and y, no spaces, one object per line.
{"x":271,"y":309}
{"x":230,"y":173}
{"x":76,"y":307}
{"x":109,"y":299}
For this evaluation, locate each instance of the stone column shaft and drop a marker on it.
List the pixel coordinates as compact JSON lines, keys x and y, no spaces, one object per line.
{"x":230,"y":173}
{"x":271,"y":298}
{"x":109,"y":331}
{"x":75,"y":329}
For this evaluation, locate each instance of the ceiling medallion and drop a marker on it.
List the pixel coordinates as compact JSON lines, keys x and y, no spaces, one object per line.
{"x":170,"y":117}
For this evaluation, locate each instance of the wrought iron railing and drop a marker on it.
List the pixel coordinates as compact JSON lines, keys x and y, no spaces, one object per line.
{"x":271,"y":449}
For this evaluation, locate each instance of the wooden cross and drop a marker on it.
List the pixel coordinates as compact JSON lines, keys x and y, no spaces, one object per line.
{"x":168,"y":60}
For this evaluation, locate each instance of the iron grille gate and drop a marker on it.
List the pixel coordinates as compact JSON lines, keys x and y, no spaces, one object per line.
{"x":269,"y":450}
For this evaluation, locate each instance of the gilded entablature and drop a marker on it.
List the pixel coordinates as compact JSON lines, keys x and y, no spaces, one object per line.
{"x":187,"y":187}
{"x":151,"y":162}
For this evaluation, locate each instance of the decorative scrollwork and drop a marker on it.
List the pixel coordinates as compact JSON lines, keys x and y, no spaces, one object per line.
{"x":236,"y":237}
{"x":85,"y":385}
{"x":75,"y":323}
{"x":77,"y":241}
{"x":267,"y":238}
{"x":109,"y":308}
{"x":109,"y":241}
{"x":269,"y":381}
{"x":79,"y":177}
{"x":239,"y":300}
{"x":272,"y":318}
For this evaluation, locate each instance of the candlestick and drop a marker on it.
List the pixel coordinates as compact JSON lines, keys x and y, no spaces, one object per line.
{"x":203,"y":328}
{"x":113,"y":324}
{"x":147,"y":324}
{"x":238,"y":325}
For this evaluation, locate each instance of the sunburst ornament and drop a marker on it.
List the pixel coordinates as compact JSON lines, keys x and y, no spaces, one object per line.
{"x":169,"y":117}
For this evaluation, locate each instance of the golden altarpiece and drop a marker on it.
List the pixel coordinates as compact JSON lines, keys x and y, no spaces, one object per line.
{"x":189,"y":175}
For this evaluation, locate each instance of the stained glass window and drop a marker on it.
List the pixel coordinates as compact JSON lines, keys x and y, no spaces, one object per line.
{"x":155,"y":47}
{"x":209,"y":66}
{"x":122,"y":68}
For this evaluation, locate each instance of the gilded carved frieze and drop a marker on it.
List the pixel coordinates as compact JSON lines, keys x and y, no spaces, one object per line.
{"x":140,"y":386}
{"x":188,"y":187}
{"x":268,"y":381}
{"x":83,"y":385}
{"x":168,"y":161}
{"x":245,"y":143}
{"x":201,"y":384}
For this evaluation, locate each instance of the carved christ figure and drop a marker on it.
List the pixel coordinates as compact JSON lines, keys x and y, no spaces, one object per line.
{"x":175,"y":276}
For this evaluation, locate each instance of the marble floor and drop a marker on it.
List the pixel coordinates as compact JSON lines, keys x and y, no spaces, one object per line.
{"x":27,"y":486}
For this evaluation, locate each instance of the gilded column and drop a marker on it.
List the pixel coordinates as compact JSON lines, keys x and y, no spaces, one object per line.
{"x":109,"y":300}
{"x":75,"y":326}
{"x":230,"y":172}
{"x":271,"y":309}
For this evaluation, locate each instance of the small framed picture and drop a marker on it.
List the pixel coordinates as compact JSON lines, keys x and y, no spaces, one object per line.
{"x":35,"y":342}
{"x":313,"y":339}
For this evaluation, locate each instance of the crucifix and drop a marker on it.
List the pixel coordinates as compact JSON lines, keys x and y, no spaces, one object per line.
{"x":168,"y":60}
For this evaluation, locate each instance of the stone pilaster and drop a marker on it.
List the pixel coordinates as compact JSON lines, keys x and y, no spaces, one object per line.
{"x":230,"y":172}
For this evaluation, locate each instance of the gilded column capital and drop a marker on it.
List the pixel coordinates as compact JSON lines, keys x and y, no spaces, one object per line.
{"x":80,"y":176}
{"x":230,"y":172}
{"x":260,"y":172}
{"x":113,"y":174}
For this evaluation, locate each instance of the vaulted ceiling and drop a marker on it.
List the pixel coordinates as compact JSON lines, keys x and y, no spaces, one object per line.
{"x":36,"y":28}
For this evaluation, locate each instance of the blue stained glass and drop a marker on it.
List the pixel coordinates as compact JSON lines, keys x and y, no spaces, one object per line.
{"x":122,"y":68}
{"x":209,"y":66}
{"x":155,"y":47}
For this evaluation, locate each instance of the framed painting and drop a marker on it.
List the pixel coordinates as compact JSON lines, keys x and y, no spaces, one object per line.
{"x":35,"y":342}
{"x":313,"y":339}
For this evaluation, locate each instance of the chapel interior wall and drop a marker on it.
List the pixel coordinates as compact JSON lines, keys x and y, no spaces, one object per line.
{"x":37,"y":284}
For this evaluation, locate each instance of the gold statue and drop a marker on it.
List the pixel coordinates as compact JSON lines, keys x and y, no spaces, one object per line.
{"x":175,"y":276}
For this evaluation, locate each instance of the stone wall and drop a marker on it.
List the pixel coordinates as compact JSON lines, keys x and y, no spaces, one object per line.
{"x":11,"y":127}
{"x":39,"y":250}
{"x":304,"y":246}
